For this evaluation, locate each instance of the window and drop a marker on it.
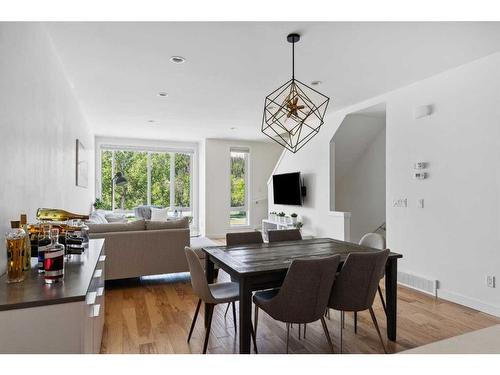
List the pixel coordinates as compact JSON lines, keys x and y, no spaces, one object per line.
{"x":238,"y":215}
{"x":154,"y":178}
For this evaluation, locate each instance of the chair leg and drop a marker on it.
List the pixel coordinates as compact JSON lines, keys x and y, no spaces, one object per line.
{"x":341,"y":329}
{"x":234,"y":316}
{"x":227,"y":309}
{"x":254,"y":339}
{"x":382,"y":299}
{"x":194,"y":319}
{"x":256,"y":318}
{"x":355,"y":322}
{"x":299,"y":330}
{"x":287,"y":336}
{"x":210,"y":308}
{"x":342,"y":319}
{"x":327,"y":334}
{"x":305,"y":325}
{"x":374,"y":319}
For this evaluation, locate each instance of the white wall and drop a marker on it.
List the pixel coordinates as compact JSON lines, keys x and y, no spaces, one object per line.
{"x":360,"y":190}
{"x":456,"y":237}
{"x":40,"y":121}
{"x":263,"y":158}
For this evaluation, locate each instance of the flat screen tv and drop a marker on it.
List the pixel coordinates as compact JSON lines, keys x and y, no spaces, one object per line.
{"x":287,"y":189}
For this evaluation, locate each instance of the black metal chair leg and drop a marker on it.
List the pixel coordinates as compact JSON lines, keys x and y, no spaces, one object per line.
{"x":194,"y":319}
{"x":355,"y":322}
{"x":256,"y":318}
{"x":227,"y":309}
{"x":287,"y":336}
{"x":254,"y":339}
{"x":327,"y":334}
{"x":341,"y":329}
{"x":234,"y":316}
{"x":374,"y":319}
{"x":305,"y":325}
{"x":299,"y":330}
{"x":210,"y":308}
{"x":382,"y":299}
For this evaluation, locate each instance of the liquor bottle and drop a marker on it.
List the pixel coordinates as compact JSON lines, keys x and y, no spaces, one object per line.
{"x":15,"y":240}
{"x":57,"y":215}
{"x":44,"y":243}
{"x":27,"y":243}
{"x":53,"y":260}
{"x":33,"y":231}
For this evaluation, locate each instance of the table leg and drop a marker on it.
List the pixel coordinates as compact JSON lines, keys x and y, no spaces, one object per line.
{"x":391,"y":296}
{"x":245,"y":316}
{"x":209,"y":274}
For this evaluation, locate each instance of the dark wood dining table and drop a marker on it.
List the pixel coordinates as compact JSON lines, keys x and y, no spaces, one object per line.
{"x":264,"y":266}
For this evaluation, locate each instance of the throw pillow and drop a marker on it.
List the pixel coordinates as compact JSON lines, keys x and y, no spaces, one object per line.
{"x":116,"y":218}
{"x":159,"y":214}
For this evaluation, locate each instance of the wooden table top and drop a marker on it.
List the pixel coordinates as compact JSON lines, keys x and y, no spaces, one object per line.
{"x":262,"y":258}
{"x":78,"y":273}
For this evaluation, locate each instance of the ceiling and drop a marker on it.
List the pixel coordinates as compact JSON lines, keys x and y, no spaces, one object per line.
{"x":118,"y":68}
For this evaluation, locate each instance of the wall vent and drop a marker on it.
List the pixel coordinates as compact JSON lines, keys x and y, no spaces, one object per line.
{"x":420,"y":283}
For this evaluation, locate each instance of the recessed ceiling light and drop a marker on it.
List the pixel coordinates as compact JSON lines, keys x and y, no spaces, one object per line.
{"x":177,"y":59}
{"x":316,"y":83}
{"x":151,"y":121}
{"x":232,"y":128}
{"x":162,"y":93}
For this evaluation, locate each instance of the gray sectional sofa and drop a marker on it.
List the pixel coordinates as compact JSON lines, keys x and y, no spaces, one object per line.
{"x":143,"y":247}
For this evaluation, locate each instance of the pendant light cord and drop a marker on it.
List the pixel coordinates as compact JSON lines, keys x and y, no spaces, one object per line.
{"x":293,"y":60}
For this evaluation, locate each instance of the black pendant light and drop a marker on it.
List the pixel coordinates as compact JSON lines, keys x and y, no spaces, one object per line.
{"x":294,"y":112}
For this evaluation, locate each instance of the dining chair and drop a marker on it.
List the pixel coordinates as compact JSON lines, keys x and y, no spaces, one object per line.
{"x":280,"y":235}
{"x":303,"y":296}
{"x":242,"y":238}
{"x":210,"y":294}
{"x":356,"y":285}
{"x":276,"y":235}
{"x":376,"y":241}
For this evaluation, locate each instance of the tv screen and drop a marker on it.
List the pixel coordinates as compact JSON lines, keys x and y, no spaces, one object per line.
{"x":287,"y":189}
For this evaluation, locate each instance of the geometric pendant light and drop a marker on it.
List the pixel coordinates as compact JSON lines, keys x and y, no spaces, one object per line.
{"x":294,"y":112}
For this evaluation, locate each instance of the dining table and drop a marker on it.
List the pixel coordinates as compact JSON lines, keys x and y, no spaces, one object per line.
{"x":264,"y":266}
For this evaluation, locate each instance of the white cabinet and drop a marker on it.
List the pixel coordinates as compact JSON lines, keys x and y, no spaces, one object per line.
{"x":65,"y":320}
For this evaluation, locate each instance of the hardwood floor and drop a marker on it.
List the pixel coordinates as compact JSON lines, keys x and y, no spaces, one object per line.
{"x":153,"y":315}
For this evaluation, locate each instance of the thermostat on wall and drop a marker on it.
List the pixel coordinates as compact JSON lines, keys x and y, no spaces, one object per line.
{"x":420,"y":175}
{"x":420,"y":165}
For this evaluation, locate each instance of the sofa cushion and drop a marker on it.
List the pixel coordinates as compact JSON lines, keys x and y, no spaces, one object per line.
{"x":117,"y":227}
{"x":169,"y":224}
{"x":159,"y":214}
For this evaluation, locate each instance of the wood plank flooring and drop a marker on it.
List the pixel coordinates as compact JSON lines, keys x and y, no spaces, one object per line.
{"x":153,"y":315}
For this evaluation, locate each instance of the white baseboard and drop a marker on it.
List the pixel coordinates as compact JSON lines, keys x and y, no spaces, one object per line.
{"x":469,"y":302}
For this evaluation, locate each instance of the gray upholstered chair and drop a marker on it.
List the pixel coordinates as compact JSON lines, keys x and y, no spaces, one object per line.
{"x":304,"y":295}
{"x":376,"y":241}
{"x":210,"y":294}
{"x":356,"y":285}
{"x":284,"y":235}
{"x":243,"y":238}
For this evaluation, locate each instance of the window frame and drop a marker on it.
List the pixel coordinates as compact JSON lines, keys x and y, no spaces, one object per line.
{"x":190,"y":150}
{"x":246,"y":207}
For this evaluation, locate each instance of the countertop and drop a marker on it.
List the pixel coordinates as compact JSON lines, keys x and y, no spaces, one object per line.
{"x":33,"y":291}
